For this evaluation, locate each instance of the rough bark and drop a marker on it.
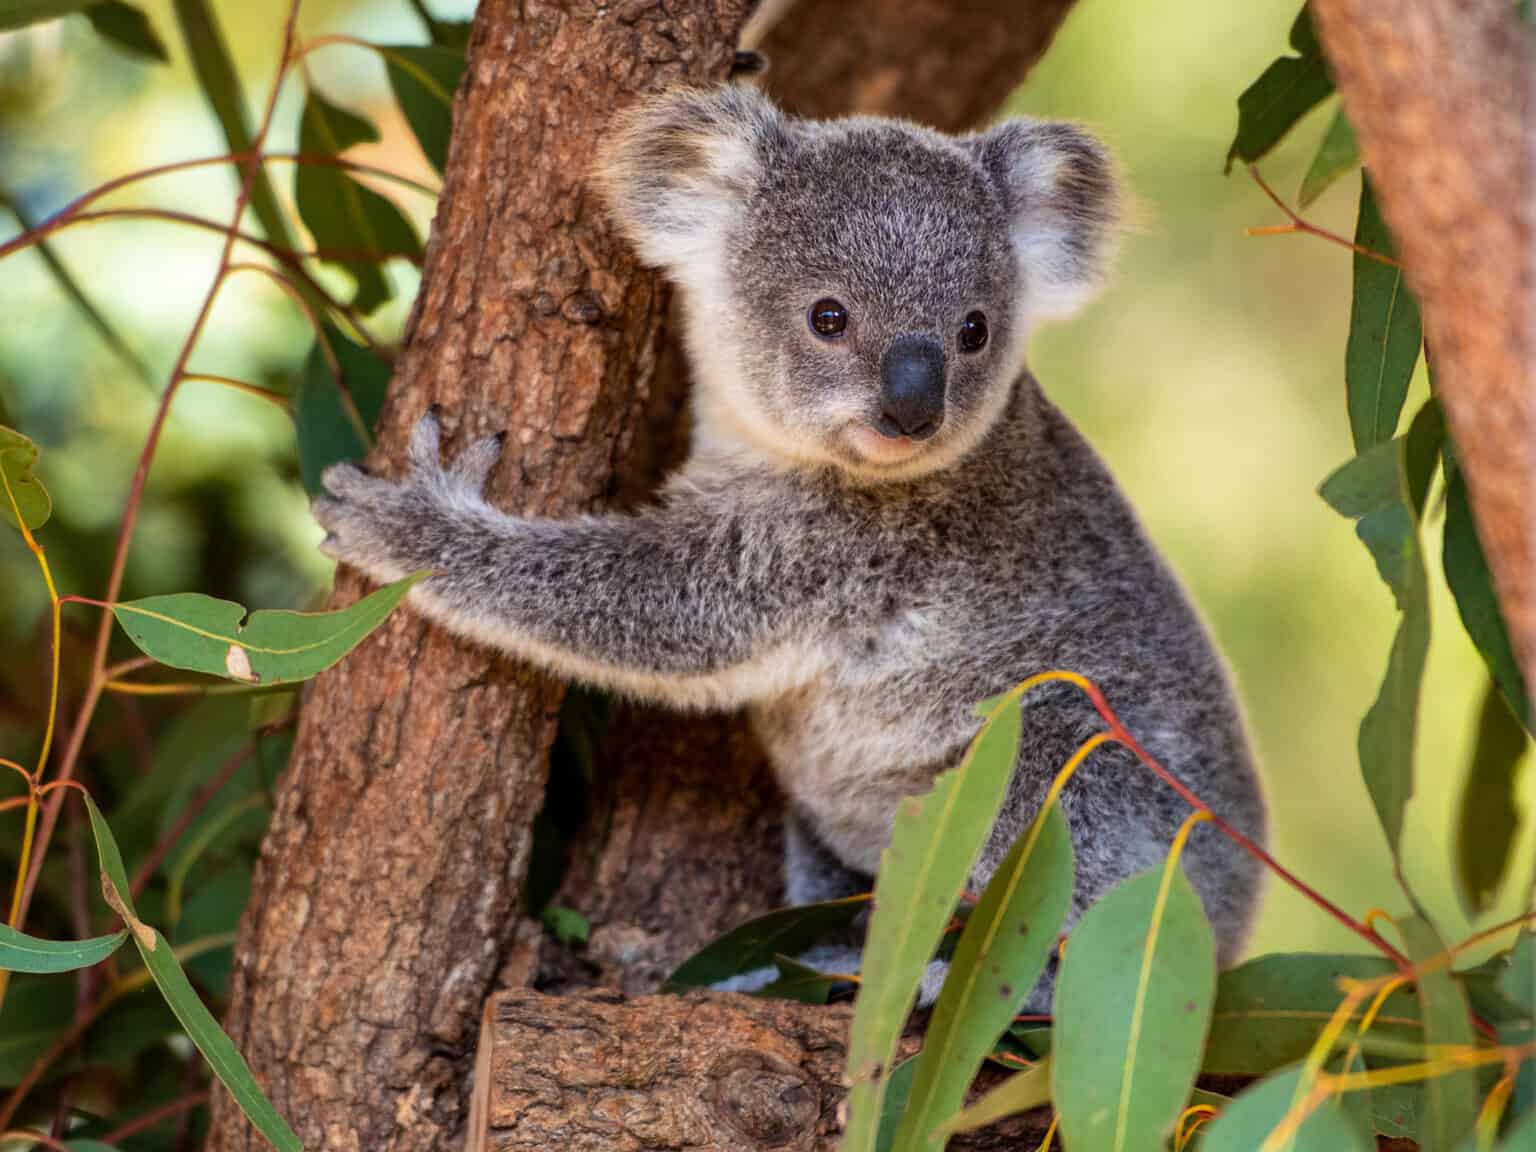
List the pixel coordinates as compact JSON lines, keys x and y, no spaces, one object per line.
{"x":388,"y":884}
{"x":701,"y":1073}
{"x":684,"y":839}
{"x":947,"y":64}
{"x":1441,"y":98}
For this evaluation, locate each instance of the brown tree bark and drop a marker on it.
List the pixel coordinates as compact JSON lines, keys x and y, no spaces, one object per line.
{"x":706,"y":1073}
{"x":946,"y":64}
{"x":1442,"y":99}
{"x":388,"y":883}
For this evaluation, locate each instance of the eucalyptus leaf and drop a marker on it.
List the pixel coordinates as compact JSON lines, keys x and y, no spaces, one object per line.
{"x":1383,"y":489}
{"x":22,"y":953}
{"x":334,"y":419}
{"x":800,"y":983}
{"x":1284,"y":92}
{"x":1450,"y":1100}
{"x":424,"y":78}
{"x":35,"y":1014}
{"x":1247,"y":1123}
{"x":1487,"y":817}
{"x":895,"y":1105}
{"x":1384,"y":333}
{"x":1007,"y":942}
{"x":1021,"y":1092}
{"x":128,"y":29}
{"x":760,"y":941}
{"x":344,"y":216}
{"x":934,"y":844}
{"x":201,"y":1028}
{"x":1133,"y":1002}
{"x":20,"y":491}
{"x":1466,"y":571}
{"x":1270,"y":1010}
{"x":1338,"y":154}
{"x":219,"y":638}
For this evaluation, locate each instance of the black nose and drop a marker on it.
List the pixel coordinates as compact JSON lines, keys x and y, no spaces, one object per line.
{"x":912,"y":387}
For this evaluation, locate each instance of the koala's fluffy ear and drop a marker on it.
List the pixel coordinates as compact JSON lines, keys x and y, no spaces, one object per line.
{"x":1059,"y":185}
{"x":678,"y":166}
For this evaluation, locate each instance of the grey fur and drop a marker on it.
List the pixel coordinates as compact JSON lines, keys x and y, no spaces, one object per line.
{"x":859,"y":596}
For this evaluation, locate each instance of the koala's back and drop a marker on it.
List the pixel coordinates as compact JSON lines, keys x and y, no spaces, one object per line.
{"x":1022,"y":558}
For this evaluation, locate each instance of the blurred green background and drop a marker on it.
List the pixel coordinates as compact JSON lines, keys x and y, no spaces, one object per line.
{"x":1210,"y":375}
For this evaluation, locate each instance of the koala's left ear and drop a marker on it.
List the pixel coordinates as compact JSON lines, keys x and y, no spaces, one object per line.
{"x":678,"y":166}
{"x":1059,"y":186}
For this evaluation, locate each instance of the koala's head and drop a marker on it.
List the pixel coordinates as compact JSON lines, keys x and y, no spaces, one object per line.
{"x":858,"y":291}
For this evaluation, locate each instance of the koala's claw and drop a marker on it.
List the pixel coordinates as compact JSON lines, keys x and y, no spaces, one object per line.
{"x":473,"y":467}
{"x":425,"y":449}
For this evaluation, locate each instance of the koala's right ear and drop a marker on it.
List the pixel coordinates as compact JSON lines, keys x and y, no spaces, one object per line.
{"x":678,"y":166}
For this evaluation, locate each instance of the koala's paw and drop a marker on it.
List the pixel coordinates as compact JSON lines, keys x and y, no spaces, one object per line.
{"x":390,"y":528}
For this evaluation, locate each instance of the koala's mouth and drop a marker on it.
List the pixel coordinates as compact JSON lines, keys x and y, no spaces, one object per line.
{"x":875,"y":447}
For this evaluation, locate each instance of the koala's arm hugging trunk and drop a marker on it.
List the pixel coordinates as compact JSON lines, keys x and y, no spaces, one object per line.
{"x":683,"y":603}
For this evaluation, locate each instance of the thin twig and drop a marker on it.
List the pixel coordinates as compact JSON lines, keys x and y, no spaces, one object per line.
{"x":150,"y":1119}
{"x":1297,"y":224}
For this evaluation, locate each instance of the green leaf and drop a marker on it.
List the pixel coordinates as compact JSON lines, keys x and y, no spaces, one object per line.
{"x":1021,"y":1092}
{"x":758,"y":942}
{"x":127,"y":28}
{"x":89,"y":1146}
{"x":1006,"y":944}
{"x":342,"y":214}
{"x":217,"y":637}
{"x":1270,"y":1010}
{"x":221,"y":88}
{"x":1487,"y":817}
{"x":800,"y":983}
{"x":201,"y":1028}
{"x":568,"y":925}
{"x":20,"y":491}
{"x":1450,"y":1101}
{"x":20,"y":13}
{"x":896,"y":1092}
{"x":1133,"y":1002}
{"x":1518,"y":982}
{"x":424,"y":79}
{"x":934,"y":844}
{"x":1285,"y":92}
{"x":22,"y":953}
{"x":1384,"y":333}
{"x":35,"y":1014}
{"x":1256,"y":1113}
{"x":1384,"y":489}
{"x":212,"y":911}
{"x":1336,"y":155}
{"x":1466,"y":571}
{"x":335,"y":419}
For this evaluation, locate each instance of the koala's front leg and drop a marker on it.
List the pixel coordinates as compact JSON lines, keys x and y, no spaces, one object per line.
{"x":681,"y":604}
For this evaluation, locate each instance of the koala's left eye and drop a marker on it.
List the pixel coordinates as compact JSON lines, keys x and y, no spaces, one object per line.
{"x":973,"y":332}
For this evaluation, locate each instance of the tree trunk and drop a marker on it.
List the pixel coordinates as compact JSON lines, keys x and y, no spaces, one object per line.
{"x":706,"y":1073}
{"x":1442,"y":98}
{"x":388,"y":884}
{"x":945,"y":64}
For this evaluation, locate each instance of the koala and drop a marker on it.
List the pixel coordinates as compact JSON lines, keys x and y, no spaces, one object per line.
{"x":883,"y":519}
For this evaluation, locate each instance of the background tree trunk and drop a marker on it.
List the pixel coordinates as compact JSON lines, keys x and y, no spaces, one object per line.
{"x":389,"y":881}
{"x":1443,"y":99}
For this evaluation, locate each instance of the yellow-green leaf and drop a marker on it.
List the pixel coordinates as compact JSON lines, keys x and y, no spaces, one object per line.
{"x":22,"y":495}
{"x":1021,"y":1092}
{"x":1450,"y":1101}
{"x":1336,"y":155}
{"x":201,"y":1028}
{"x":22,"y":953}
{"x":217,"y":637}
{"x":934,"y":843}
{"x":1006,"y":944}
{"x":1133,"y":1000}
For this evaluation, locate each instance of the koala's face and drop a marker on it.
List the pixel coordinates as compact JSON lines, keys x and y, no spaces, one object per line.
{"x":858,"y":292}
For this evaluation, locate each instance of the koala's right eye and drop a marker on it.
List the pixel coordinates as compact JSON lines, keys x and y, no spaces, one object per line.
{"x":828,"y":318}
